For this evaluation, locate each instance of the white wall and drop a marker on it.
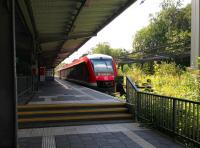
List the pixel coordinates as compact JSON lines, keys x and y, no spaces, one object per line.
{"x":195,"y":45}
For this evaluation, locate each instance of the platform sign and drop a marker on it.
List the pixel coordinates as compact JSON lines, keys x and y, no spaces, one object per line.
{"x":42,"y":74}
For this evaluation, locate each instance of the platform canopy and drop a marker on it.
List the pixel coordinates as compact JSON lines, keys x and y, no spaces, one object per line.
{"x":61,"y":27}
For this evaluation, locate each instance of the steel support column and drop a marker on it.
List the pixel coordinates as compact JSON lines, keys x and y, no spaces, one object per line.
{"x":195,"y":45}
{"x":8,"y":124}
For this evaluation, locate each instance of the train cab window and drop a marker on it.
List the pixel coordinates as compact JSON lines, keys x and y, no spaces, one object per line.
{"x":103,"y":66}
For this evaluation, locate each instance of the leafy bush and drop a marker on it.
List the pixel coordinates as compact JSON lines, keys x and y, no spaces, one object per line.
{"x":170,"y":80}
{"x":167,"y":69}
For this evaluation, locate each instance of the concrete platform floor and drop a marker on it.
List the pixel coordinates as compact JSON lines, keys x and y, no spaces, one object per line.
{"x":118,"y":135}
{"x":60,"y":91}
{"x":123,"y":135}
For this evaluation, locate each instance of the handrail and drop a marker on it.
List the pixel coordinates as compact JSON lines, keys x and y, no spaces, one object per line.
{"x":132,"y":84}
{"x":181,"y":117}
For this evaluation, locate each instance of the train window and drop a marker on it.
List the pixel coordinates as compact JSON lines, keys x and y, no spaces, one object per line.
{"x":78,"y":72}
{"x":83,"y":72}
{"x":102,"y":65}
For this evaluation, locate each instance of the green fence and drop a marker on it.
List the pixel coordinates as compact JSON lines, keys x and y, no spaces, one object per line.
{"x":178,"y":117}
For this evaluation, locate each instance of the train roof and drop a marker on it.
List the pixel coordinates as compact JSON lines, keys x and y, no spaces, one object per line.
{"x":98,"y":56}
{"x":82,"y":59}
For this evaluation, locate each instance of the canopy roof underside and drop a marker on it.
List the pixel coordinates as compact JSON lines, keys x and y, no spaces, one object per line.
{"x":60,"y":27}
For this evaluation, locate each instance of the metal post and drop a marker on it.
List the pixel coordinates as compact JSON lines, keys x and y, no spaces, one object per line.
{"x":127,"y":89}
{"x":195,"y":42}
{"x":174,"y":116}
{"x":136,"y":106}
{"x":8,"y":124}
{"x":53,"y":73}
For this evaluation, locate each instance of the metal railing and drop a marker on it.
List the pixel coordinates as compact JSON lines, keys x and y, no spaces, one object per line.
{"x":179,"y":117}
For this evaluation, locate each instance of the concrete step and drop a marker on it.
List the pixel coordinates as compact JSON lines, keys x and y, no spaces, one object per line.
{"x":26,"y":114}
{"x":77,"y":118}
{"x":58,"y":114}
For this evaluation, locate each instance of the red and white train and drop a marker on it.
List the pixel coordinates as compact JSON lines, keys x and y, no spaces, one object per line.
{"x":95,"y":70}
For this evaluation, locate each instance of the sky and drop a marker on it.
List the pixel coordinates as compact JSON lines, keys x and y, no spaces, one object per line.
{"x":120,"y":32}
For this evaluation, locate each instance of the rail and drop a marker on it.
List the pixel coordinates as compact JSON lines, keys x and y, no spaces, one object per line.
{"x":178,"y":117}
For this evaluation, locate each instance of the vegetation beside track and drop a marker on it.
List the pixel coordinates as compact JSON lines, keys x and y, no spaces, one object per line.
{"x":168,"y":79}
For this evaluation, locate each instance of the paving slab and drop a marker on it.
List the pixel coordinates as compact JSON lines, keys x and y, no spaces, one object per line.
{"x":121,"y":135}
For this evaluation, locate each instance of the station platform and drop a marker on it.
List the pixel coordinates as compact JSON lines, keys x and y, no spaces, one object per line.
{"x":123,"y":135}
{"x":60,"y":91}
{"x":94,"y":135}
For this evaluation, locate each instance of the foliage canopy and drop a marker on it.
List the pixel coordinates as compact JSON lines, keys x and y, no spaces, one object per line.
{"x":169,"y":30}
{"x":104,"y":48}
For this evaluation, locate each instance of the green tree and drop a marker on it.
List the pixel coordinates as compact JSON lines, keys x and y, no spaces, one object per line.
{"x":169,"y":30}
{"x":104,"y":48}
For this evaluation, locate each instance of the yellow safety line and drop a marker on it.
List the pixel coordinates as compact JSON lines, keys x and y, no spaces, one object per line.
{"x":72,"y":111}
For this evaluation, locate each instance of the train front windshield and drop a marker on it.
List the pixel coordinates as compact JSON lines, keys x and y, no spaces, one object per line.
{"x":102,"y":66}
